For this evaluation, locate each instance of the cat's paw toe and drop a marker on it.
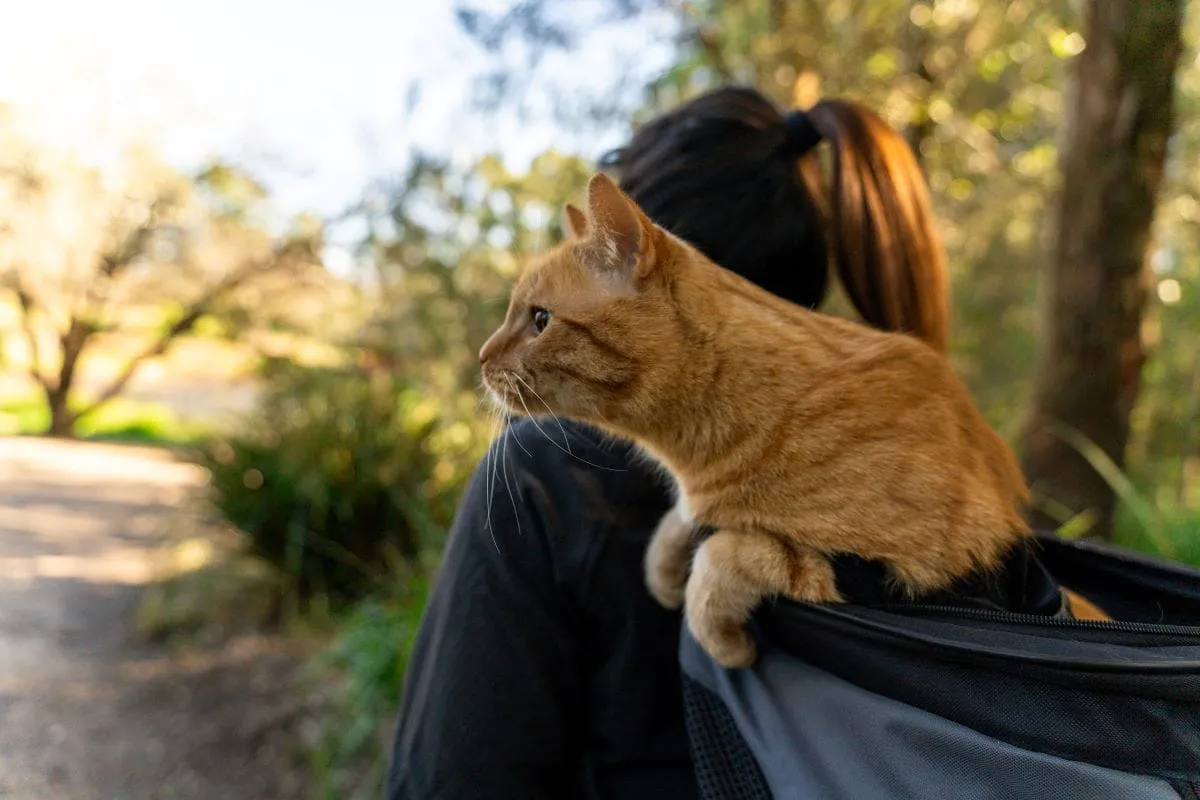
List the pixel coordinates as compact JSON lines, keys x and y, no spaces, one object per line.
{"x":669,"y":593}
{"x":733,"y":648}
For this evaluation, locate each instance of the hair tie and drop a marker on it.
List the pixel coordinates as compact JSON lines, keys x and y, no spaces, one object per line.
{"x":800,"y":134}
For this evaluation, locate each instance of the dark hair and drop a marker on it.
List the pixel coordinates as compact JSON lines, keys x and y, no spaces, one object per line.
{"x":730,"y":174}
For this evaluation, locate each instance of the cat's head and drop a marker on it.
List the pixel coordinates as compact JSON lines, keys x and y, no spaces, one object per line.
{"x":591,"y":326}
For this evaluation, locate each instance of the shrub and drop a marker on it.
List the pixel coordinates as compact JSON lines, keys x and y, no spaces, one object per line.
{"x":369,"y":655}
{"x":333,"y":479}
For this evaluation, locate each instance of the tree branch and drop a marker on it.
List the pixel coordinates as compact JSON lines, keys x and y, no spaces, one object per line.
{"x":28,"y":305}
{"x":135,"y":243}
{"x":73,"y":343}
{"x":706,"y":37}
{"x":711,"y":46}
{"x":186,"y":322}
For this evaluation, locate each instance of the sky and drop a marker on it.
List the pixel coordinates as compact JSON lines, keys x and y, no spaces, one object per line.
{"x":309,"y":94}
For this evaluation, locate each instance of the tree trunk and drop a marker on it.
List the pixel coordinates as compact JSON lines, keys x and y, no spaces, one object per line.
{"x":1117,"y":122}
{"x":62,"y":421}
{"x":58,"y":394}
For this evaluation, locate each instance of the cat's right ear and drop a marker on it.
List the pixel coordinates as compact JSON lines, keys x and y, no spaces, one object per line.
{"x":575,"y":221}
{"x":626,"y":233}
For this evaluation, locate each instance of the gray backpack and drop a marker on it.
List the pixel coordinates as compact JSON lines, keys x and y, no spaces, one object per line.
{"x":895,"y":700}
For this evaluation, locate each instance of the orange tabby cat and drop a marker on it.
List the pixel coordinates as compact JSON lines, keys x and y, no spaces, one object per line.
{"x":795,"y":435}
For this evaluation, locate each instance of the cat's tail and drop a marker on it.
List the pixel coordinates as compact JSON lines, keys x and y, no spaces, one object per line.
{"x":882,"y":230}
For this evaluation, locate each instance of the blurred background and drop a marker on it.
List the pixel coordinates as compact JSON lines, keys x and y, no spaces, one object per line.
{"x":249,"y":250}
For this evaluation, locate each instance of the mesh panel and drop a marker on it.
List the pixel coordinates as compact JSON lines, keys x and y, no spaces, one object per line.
{"x":725,"y":767}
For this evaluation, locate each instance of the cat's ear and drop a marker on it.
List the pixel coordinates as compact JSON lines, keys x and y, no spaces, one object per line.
{"x":575,"y":222}
{"x":615,"y":220}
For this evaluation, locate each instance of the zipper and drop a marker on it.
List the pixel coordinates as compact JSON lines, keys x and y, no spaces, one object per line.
{"x":923,"y":610}
{"x":1171,"y":635}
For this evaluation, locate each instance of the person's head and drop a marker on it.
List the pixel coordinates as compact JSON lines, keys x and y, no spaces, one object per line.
{"x":732,"y":175}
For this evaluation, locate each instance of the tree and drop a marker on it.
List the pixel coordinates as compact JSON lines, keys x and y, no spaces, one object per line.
{"x":444,"y":245}
{"x":974,"y":85}
{"x":1114,"y":144}
{"x":82,"y":249}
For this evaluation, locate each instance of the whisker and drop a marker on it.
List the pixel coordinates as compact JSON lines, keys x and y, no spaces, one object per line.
{"x":549,"y":439}
{"x":510,"y":427}
{"x":511,"y":498}
{"x":517,"y":439}
{"x":489,"y":469}
{"x":547,"y":405}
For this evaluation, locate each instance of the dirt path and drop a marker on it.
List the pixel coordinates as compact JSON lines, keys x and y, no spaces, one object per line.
{"x":86,"y":712}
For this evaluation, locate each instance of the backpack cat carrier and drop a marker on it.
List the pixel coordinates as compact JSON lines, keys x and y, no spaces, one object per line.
{"x":865,"y":701}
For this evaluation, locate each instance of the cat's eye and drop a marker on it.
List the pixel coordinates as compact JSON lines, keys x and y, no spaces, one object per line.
{"x":541,"y":318}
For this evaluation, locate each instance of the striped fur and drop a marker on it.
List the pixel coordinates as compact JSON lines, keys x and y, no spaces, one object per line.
{"x":794,"y":434}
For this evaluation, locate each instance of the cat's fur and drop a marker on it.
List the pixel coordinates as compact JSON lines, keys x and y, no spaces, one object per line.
{"x":796,"y":435}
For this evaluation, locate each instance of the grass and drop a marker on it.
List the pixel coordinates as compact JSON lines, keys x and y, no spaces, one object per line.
{"x":120,"y":421}
{"x":369,"y":656}
{"x":1164,"y":528}
{"x":1174,"y":533}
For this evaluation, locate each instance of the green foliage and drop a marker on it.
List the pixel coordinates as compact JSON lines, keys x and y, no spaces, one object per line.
{"x":444,"y":247}
{"x":86,"y":251}
{"x":1172,"y":532}
{"x":231,"y":192}
{"x":370,"y":655}
{"x":121,"y":420}
{"x":1164,"y":528}
{"x":336,"y":478}
{"x":977,"y":87}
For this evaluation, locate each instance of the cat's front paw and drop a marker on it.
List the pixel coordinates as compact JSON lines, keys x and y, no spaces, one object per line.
{"x":718,"y":606}
{"x":666,"y":588}
{"x":731,"y":645}
{"x":667,"y":560}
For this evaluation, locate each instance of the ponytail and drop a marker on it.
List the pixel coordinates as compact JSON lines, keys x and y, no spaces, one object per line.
{"x":730,"y":174}
{"x":880,"y":223}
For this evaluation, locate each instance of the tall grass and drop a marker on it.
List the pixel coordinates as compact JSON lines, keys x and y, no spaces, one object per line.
{"x":1162,"y":527}
{"x":369,"y":656}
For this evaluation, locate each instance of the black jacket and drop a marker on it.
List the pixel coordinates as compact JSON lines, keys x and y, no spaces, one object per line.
{"x":543,"y":668}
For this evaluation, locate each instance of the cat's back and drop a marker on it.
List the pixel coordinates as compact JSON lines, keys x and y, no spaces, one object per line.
{"x":821,"y":383}
{"x":802,"y":349}
{"x":854,"y":440}
{"x":770,"y":326}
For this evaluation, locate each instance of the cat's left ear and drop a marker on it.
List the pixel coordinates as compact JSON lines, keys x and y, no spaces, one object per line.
{"x":574,"y":221}
{"x":626,"y":233}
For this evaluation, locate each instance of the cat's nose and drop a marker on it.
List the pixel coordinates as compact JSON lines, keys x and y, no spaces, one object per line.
{"x":488,"y":350}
